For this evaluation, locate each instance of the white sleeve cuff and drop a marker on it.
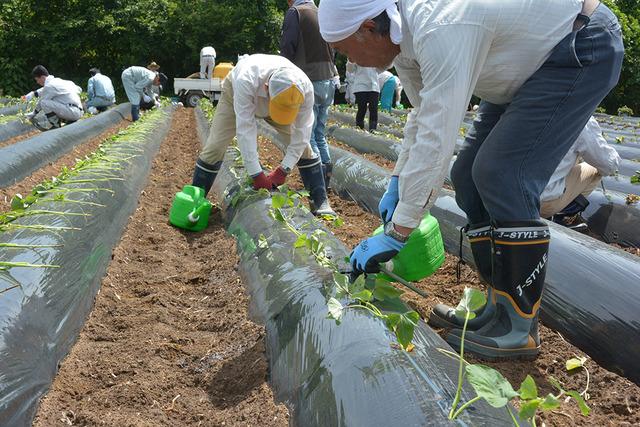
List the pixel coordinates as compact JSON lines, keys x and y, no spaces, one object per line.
{"x":407,"y":215}
{"x":253,"y":167}
{"x":289,"y":161}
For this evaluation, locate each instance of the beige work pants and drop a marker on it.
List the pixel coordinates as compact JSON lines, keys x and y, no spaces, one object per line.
{"x":223,"y":129}
{"x":582,"y":179}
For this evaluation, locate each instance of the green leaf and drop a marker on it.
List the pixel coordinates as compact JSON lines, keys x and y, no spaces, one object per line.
{"x":335,"y":310}
{"x":405,"y":328}
{"x":278,"y":200}
{"x":554,"y":382}
{"x":262,"y":242}
{"x":584,"y":409}
{"x":472,"y":301}
{"x":278,"y":215}
{"x":550,"y":403}
{"x":528,"y":389}
{"x":384,"y":291}
{"x":17,"y":202}
{"x":528,"y":408}
{"x":364,"y":295}
{"x":338,"y":222}
{"x":575,"y":363}
{"x":392,"y":320}
{"x":490,"y":385}
{"x":300,"y":241}
{"x":357,"y":285}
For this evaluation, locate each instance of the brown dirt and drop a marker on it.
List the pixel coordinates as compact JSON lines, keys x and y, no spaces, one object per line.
{"x":169,"y":342}
{"x":18,"y":138}
{"x":614,"y":400}
{"x":25,"y":186}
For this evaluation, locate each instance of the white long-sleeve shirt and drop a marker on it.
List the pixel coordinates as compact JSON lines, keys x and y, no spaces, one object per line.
{"x":60,"y":90}
{"x":450,"y":50}
{"x":383,"y":77}
{"x":590,"y":147}
{"x":249,"y":79}
{"x":207,"y":51}
{"x":365,"y":79}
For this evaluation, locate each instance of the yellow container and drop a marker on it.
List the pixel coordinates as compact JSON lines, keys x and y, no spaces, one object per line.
{"x":221,"y":70}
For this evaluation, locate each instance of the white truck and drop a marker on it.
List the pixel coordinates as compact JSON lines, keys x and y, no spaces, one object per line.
{"x":191,"y":91}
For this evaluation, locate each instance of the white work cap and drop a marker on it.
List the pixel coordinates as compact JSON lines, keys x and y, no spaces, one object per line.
{"x":339,"y":19}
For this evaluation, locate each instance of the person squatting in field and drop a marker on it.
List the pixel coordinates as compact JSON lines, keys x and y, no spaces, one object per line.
{"x":58,"y":100}
{"x":541,"y":67}
{"x":272,"y":88}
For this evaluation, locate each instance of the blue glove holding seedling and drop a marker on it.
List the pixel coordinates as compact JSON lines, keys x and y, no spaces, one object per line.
{"x":389,"y":200}
{"x":367,"y":256}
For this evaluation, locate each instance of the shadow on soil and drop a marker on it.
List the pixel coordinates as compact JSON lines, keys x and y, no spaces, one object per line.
{"x":238,"y":377}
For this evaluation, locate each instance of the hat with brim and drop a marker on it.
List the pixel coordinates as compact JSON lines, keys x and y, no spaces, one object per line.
{"x":286,"y":96}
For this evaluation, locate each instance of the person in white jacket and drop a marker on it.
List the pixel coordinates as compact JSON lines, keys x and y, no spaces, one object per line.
{"x":366,"y":92}
{"x":58,"y":100}
{"x":272,"y":88}
{"x":579,"y":172}
{"x":541,"y":68}
{"x":207,"y":62}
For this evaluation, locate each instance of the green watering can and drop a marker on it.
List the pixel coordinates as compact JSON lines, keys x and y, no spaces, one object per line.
{"x":421,"y":256}
{"x":190,"y":209}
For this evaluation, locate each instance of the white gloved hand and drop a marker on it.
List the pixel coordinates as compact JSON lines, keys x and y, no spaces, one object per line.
{"x":146,"y":98}
{"x":336,"y":81}
{"x":29,"y":96}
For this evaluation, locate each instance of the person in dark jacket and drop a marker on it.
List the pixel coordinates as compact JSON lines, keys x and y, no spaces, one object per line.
{"x":302,"y":44}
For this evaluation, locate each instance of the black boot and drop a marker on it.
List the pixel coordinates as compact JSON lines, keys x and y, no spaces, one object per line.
{"x":520,"y":251}
{"x":204,"y":174}
{"x":444,"y":316}
{"x":570,"y":216}
{"x":373,"y":126}
{"x":313,"y":180}
{"x":327,"y":171}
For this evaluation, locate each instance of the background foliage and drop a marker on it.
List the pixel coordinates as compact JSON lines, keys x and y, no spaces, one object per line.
{"x":71,"y":36}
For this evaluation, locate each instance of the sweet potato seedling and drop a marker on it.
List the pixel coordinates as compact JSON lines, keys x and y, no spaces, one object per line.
{"x":490,"y":385}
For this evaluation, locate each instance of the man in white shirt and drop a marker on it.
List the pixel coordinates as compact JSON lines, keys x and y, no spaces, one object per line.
{"x":207,"y":62}
{"x":580,"y":171}
{"x":541,"y":68}
{"x":58,"y":100}
{"x":266,"y":87}
{"x":100,"y":91}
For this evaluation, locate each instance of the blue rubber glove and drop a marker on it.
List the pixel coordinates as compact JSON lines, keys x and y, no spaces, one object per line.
{"x":367,"y":256}
{"x":389,"y":200}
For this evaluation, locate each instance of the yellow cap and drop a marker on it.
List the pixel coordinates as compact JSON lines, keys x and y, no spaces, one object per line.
{"x":284,"y":107}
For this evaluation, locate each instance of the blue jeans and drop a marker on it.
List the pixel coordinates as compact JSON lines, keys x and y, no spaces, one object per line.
{"x":511,"y":150}
{"x":387,"y":93}
{"x":323,"y":91}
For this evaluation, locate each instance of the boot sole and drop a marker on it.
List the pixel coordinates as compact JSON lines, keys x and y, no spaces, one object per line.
{"x":493,"y":354}
{"x":439,"y":322}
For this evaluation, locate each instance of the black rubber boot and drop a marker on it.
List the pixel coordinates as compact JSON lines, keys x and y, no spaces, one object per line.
{"x":327,"y":171}
{"x":444,"y":316}
{"x":204,"y":174}
{"x":570,"y":216}
{"x":520,"y":252}
{"x":373,"y":126}
{"x":313,"y":180}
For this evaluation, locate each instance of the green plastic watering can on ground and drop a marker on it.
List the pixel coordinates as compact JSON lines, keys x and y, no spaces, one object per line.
{"x":190,"y":209}
{"x":421,"y":256}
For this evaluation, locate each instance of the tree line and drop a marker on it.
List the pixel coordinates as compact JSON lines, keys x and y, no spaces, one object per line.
{"x":71,"y":36}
